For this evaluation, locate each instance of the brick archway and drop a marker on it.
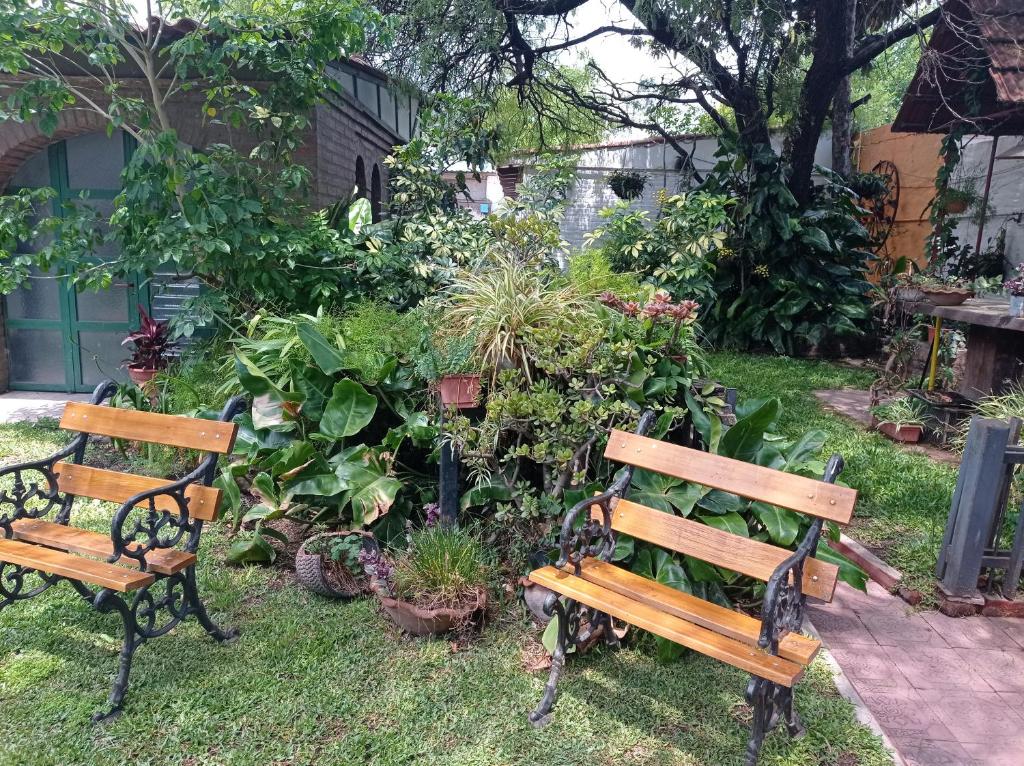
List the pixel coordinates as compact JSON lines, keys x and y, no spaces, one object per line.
{"x":20,"y":141}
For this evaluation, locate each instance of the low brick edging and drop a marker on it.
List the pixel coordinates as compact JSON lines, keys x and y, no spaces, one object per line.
{"x":885,"y":575}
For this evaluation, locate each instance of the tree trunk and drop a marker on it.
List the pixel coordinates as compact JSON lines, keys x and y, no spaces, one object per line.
{"x":819,"y":85}
{"x":842,"y":117}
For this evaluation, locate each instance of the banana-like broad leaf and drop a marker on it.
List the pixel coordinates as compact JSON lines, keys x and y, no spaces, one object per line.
{"x":327,"y":357}
{"x":782,"y":525}
{"x":251,"y":550}
{"x":849,"y":572}
{"x":744,"y":439}
{"x":349,"y":410}
{"x":728,"y":522}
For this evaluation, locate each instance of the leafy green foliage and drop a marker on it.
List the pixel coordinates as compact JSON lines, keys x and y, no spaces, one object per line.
{"x":299,"y":439}
{"x":794,"y":277}
{"x":241,"y":223}
{"x":676,"y":250}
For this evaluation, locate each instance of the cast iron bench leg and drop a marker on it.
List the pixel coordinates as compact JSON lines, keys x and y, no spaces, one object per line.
{"x":197,"y":608}
{"x":108,"y":601}
{"x":568,"y":624}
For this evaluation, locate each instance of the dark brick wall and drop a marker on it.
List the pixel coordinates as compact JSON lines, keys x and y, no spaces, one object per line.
{"x":344,"y":132}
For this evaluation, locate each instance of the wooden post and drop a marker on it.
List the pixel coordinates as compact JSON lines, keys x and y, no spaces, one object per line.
{"x":934,"y":364}
{"x":974,"y":508}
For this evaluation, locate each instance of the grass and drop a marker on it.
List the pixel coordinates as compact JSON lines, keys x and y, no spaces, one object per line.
{"x":904,"y":496}
{"x":315,"y":681}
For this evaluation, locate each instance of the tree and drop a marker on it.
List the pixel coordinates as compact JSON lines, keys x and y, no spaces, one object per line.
{"x":731,"y":58}
{"x":234,"y":219}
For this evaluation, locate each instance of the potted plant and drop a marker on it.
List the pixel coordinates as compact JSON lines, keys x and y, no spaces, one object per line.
{"x":900,"y":419}
{"x":436,"y":585}
{"x":452,"y":363}
{"x":329,"y":564}
{"x":1015,"y":287}
{"x":627,"y":184}
{"x":943,"y":291}
{"x":953,"y":201}
{"x":151,"y":344}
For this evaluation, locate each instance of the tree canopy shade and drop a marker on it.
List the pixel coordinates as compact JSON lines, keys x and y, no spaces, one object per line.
{"x":733,"y":59}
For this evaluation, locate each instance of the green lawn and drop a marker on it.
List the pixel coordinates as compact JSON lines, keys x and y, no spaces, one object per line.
{"x":312,"y":681}
{"x":904,"y":496}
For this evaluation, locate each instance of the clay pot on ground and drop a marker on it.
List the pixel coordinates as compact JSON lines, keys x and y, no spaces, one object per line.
{"x":460,"y":391}
{"x":319,"y":574}
{"x":906,"y":433}
{"x":422,"y":621}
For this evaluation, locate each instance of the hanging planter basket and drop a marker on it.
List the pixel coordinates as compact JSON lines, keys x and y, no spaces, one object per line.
{"x":461,"y":391}
{"x":332,"y":579}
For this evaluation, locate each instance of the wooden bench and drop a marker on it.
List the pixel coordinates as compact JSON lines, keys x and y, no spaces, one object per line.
{"x":588,"y":590}
{"x":144,"y":569}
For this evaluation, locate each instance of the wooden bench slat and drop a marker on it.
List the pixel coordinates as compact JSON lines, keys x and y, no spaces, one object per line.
{"x":668,"y":626}
{"x":786,"y":490}
{"x":728,"y":622}
{"x":162,"y":560}
{"x":74,"y":567}
{"x":115,"y":487}
{"x":133,"y":425}
{"x":716,"y":546}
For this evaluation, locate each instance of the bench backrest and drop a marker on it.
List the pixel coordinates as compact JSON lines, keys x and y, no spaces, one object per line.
{"x":214,"y":436}
{"x":753,"y":482}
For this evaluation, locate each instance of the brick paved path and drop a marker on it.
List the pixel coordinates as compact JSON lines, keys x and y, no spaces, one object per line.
{"x":947,"y":692}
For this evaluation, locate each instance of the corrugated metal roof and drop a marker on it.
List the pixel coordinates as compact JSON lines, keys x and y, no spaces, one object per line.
{"x":970,"y":34}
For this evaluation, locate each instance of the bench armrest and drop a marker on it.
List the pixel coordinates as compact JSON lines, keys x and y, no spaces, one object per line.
{"x":595,"y":538}
{"x":783,"y":609}
{"x":139,"y":526}
{"x":36,"y":494}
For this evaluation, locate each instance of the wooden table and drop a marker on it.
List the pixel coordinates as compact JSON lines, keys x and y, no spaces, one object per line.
{"x":995,"y":342}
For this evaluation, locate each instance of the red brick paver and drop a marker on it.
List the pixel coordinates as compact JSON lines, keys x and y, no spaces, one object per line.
{"x":947,"y":692}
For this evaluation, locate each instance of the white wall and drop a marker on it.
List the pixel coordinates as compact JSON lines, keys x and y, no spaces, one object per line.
{"x":656,"y":160}
{"x":1006,"y":199}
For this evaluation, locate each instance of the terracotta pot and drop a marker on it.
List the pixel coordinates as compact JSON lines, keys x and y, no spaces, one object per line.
{"x":906,"y":433}
{"x":313,"y":573}
{"x":430,"y":622}
{"x":460,"y":391}
{"x":947,"y":296}
{"x":140,"y":376}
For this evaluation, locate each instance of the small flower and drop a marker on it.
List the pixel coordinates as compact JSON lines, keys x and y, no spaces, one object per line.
{"x":655,"y":309}
{"x":762,"y":271}
{"x":630,"y":308}
{"x":685,"y":310}
{"x":433,"y":513}
{"x":663,"y":296}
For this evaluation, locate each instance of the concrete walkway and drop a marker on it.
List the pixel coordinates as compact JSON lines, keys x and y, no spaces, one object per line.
{"x":17,"y":406}
{"x":947,"y":692}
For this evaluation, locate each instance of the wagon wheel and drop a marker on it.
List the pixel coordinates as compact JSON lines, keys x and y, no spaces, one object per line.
{"x":882,"y":207}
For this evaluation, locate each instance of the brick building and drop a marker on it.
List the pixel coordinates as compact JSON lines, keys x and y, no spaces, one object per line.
{"x":54,"y":339}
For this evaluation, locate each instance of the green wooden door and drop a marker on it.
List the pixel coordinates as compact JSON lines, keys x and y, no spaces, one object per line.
{"x":59,"y":339}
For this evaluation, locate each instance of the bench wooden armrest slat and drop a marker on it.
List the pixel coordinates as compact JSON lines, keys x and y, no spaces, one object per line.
{"x":668,"y":626}
{"x":116,"y":487}
{"x":74,"y":567}
{"x":718,"y":547}
{"x":728,"y":622}
{"x":173,"y":430}
{"x":165,"y":561}
{"x":786,"y":490}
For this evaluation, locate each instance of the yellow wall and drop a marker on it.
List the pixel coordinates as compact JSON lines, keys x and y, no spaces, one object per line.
{"x":916,"y":156}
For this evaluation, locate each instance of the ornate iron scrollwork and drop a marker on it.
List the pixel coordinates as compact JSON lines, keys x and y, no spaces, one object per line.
{"x":140,"y":527}
{"x":18,"y":583}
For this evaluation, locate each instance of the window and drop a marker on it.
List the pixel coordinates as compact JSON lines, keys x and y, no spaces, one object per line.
{"x":360,"y":189}
{"x":375,"y":193}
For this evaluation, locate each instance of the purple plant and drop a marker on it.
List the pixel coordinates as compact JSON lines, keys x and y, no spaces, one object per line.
{"x":151,"y":343}
{"x":377,"y":567}
{"x":433,"y":514}
{"x":1015,"y":286}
